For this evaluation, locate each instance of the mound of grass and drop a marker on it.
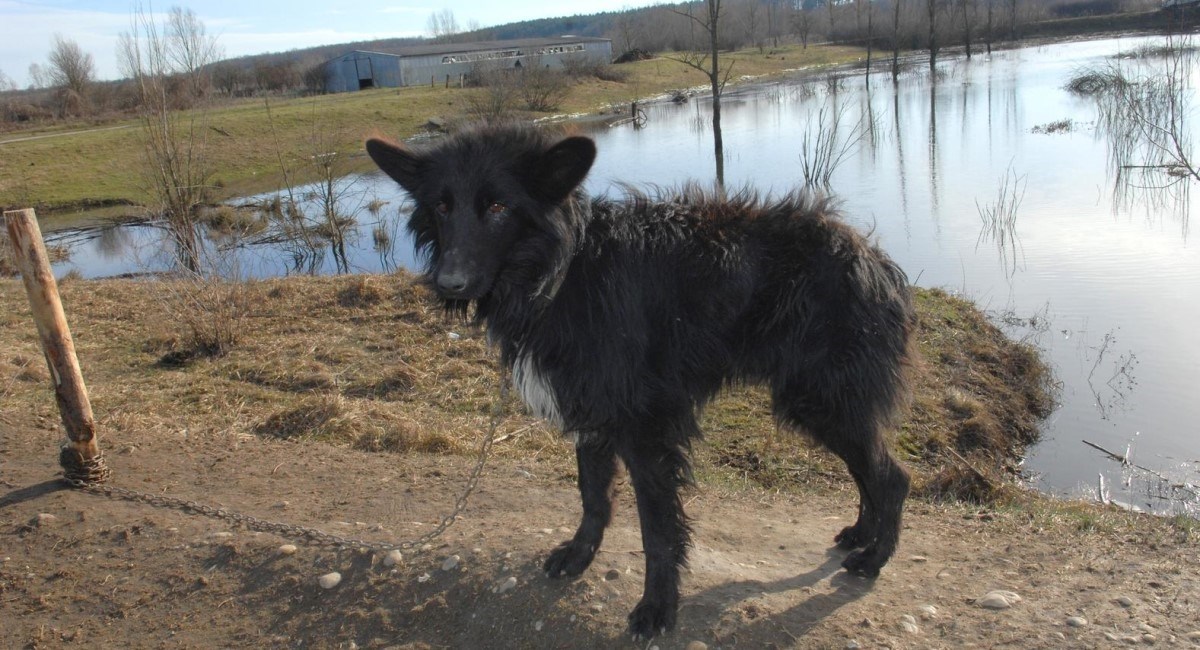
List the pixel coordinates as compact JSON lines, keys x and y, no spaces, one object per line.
{"x":376,"y":364}
{"x":1096,"y":82}
{"x":1058,"y":126}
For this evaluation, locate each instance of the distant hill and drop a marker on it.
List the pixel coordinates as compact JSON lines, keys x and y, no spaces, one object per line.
{"x":598,"y":25}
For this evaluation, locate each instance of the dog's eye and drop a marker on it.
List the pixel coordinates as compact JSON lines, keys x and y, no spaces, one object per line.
{"x":496,"y":208}
{"x":441,"y":208}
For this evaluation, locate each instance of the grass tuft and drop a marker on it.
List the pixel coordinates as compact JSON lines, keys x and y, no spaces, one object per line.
{"x":361,"y":294}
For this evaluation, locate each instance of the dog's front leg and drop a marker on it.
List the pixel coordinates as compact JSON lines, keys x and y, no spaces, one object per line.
{"x":597,"y":466}
{"x":658,"y":469}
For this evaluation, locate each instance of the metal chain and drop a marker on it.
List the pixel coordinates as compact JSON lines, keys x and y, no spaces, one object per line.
{"x":313,"y":535}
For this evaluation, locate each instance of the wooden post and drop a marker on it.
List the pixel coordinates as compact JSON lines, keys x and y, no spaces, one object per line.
{"x":81,"y":449}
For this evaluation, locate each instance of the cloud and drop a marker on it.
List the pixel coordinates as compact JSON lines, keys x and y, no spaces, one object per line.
{"x":29,"y":34}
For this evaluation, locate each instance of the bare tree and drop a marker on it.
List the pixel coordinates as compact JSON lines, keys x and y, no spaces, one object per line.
{"x":801,"y":22}
{"x":988,"y":33}
{"x":896,"y":40}
{"x":442,"y":25}
{"x":708,"y":63}
{"x":628,"y":25}
{"x":177,"y":169}
{"x":72,"y":70}
{"x":751,"y":24}
{"x":773,"y":23}
{"x":229,"y":78}
{"x":967,"y":15}
{"x":190,"y":48}
{"x":867,"y":6}
{"x":314,"y":78}
{"x":498,"y":95}
{"x":6,"y":82}
{"x":276,"y":76}
{"x":542,"y":88}
{"x":931,"y":11}
{"x":37,"y":77}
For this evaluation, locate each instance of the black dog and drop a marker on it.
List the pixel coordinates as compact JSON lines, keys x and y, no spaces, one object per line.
{"x":621,"y":319}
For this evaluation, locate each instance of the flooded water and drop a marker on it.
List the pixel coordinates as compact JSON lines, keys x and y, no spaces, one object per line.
{"x":1092,"y":261}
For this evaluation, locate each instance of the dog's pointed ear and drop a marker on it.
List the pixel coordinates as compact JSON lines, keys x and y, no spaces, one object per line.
{"x":402,"y":165}
{"x":563,"y":167}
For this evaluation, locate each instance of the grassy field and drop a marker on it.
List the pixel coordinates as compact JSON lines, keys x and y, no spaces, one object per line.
{"x":248,"y":145}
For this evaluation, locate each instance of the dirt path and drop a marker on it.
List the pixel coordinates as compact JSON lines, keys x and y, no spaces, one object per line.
{"x":105,"y":573}
{"x":65,"y":133}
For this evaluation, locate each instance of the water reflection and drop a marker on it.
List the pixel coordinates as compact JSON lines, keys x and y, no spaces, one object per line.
{"x":1144,"y":100}
{"x":999,"y":219}
{"x":112,"y":241}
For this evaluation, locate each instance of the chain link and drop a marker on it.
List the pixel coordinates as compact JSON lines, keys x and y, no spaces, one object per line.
{"x":292,"y":531}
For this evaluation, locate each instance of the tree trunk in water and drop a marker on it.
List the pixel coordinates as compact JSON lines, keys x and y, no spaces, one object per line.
{"x":870,"y":38}
{"x":715,"y":78}
{"x":896,"y":41}
{"x":966,"y":14}
{"x":931,"y":7}
{"x":989,"y":27}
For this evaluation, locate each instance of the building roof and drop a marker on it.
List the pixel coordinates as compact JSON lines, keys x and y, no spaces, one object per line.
{"x":453,"y":48}
{"x":477,"y":46}
{"x":349,"y":52}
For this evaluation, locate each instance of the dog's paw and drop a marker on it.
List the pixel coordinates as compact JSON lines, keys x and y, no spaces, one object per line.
{"x":865,"y":563}
{"x":570,"y":558}
{"x":650,"y":619}
{"x":851,"y":537}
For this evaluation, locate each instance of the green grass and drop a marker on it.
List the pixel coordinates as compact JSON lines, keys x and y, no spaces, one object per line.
{"x":105,"y":167}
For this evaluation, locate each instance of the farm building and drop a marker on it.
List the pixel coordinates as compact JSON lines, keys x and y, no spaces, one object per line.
{"x":424,"y":64}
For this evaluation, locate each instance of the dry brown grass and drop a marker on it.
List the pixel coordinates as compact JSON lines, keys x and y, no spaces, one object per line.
{"x":371,"y":362}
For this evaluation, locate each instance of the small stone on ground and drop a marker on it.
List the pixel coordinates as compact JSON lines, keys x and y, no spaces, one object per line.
{"x":998,"y":599}
{"x":330,"y":580}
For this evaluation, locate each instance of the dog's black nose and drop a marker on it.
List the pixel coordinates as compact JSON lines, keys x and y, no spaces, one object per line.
{"x":452,"y":284}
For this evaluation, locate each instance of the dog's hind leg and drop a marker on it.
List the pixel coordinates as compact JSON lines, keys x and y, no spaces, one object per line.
{"x":884,"y":487}
{"x":658,"y":468}
{"x":860,"y":534}
{"x":882,"y":483}
{"x":597,"y":466}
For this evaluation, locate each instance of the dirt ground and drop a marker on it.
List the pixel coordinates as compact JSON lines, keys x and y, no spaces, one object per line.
{"x":81,"y":570}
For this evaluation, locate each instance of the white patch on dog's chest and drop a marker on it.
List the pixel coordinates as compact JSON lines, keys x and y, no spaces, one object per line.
{"x":535,"y":390}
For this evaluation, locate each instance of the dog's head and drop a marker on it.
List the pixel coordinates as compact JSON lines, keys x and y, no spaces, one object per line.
{"x":486,"y":199}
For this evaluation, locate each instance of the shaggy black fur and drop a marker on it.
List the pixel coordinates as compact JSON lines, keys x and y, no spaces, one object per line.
{"x":622,"y":318}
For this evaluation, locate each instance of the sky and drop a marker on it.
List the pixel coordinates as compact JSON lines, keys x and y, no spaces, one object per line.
{"x":27,"y":28}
